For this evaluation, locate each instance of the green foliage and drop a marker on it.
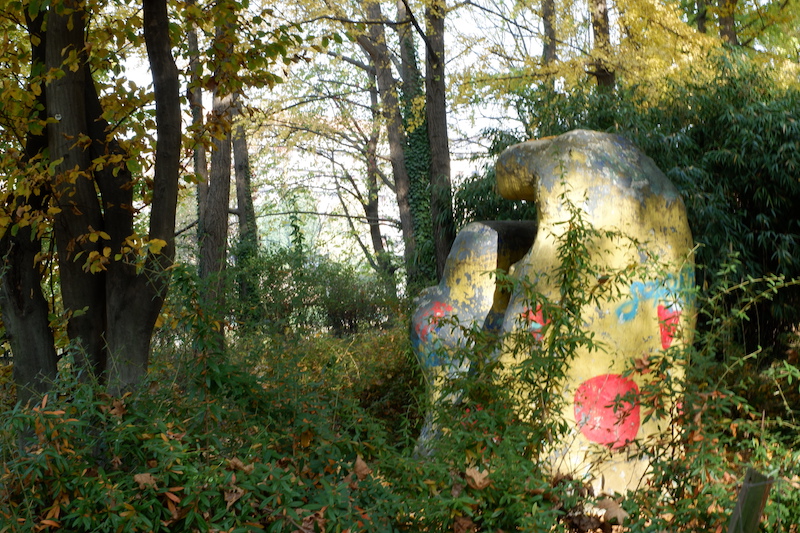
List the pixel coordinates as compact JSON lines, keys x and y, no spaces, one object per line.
{"x":731,"y":148}
{"x":309,"y":292}
{"x":207,"y":446}
{"x":722,"y":426}
{"x":311,"y":432}
{"x":417,"y":155}
{"x":477,"y":199}
{"x":291,"y":289}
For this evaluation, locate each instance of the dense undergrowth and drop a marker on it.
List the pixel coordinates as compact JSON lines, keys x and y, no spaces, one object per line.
{"x":301,"y":431}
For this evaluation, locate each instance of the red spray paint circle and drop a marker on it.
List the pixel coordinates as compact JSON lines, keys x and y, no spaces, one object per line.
{"x":601,"y":416}
{"x":668,"y":320}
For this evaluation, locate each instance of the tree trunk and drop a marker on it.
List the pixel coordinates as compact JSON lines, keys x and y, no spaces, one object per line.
{"x":384,"y":268}
{"x":213,"y":247}
{"x":25,"y":313}
{"x":727,"y":22}
{"x":199,"y":159}
{"x":248,"y":233}
{"x":111,"y":313}
{"x":409,"y":70}
{"x":606,"y":79}
{"x":214,"y":241}
{"x":24,"y":308}
{"x":73,"y":188}
{"x":247,"y":248}
{"x":134,"y":297}
{"x":549,"y":56}
{"x":702,"y":15}
{"x":375,"y":46}
{"x":436,"y":109}
{"x":417,"y":153}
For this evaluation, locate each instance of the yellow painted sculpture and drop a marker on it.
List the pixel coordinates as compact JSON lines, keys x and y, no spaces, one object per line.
{"x":641,"y":230}
{"x":467,"y":292}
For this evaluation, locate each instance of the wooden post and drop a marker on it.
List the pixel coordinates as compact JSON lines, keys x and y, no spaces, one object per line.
{"x":752,"y":498}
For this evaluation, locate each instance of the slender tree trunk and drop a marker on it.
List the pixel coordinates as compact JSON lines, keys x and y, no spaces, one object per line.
{"x":549,"y":56}
{"x":248,"y":233}
{"x":135,"y":297}
{"x":409,"y":69}
{"x":702,"y":15}
{"x":215,"y":209}
{"x":375,"y":46}
{"x":727,"y":22}
{"x":417,"y":152}
{"x":384,"y":265}
{"x":199,"y":159}
{"x":73,"y":187}
{"x":247,"y":247}
{"x":549,"y":51}
{"x":371,"y":207}
{"x":606,"y":79}
{"x":214,"y":241}
{"x":436,"y":109}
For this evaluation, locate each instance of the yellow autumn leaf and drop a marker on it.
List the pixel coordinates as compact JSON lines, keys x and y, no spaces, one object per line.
{"x":156,"y":245}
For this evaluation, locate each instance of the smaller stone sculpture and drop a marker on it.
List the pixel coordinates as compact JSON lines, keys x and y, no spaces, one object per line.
{"x":468,"y":292}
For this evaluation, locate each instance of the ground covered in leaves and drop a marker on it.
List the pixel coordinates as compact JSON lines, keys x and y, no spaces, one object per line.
{"x":318,"y":434}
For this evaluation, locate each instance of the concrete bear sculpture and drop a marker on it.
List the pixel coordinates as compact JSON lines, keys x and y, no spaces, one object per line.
{"x":641,"y":239}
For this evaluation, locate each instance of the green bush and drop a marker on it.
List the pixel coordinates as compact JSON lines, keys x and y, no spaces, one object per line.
{"x":731,"y":148}
{"x":228,"y":452}
{"x":729,"y":420}
{"x":296,"y":290}
{"x":477,"y":199}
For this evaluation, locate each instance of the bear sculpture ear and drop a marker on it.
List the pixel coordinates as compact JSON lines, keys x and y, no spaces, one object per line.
{"x":468,"y":292}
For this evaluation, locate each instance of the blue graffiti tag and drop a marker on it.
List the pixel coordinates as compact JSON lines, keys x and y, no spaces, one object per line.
{"x":670,"y":289}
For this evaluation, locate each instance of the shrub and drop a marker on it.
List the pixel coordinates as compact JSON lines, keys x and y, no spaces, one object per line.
{"x":477,"y":199}
{"x":224,"y":453}
{"x":295,"y":289}
{"x":730,"y":146}
{"x":297,"y":433}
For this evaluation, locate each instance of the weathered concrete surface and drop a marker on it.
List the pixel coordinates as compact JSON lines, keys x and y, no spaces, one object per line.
{"x":616,"y":189}
{"x":468,"y":292}
{"x":619,"y":189}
